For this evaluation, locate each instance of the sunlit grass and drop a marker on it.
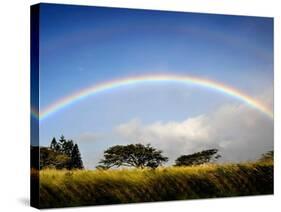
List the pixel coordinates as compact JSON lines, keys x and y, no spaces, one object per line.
{"x":60,"y":188}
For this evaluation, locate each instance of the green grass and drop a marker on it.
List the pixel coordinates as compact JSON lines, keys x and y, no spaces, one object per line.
{"x":93,"y":187}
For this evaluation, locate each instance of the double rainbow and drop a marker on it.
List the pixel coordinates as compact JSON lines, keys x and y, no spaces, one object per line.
{"x":182,"y":79}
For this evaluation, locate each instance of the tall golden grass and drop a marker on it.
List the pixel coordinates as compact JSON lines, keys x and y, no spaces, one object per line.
{"x":62,"y":188}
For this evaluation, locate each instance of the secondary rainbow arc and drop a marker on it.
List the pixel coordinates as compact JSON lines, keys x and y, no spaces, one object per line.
{"x":113,"y":84}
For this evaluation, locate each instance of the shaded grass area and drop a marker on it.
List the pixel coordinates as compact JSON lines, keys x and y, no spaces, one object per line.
{"x":94,"y":187}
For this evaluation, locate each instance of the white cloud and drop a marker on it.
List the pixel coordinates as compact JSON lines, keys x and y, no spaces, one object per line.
{"x":238,"y":131}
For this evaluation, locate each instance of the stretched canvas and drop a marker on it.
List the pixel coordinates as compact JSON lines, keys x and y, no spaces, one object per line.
{"x":131,"y":105}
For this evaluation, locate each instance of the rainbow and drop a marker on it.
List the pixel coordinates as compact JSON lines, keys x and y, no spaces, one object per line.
{"x":117,"y":83}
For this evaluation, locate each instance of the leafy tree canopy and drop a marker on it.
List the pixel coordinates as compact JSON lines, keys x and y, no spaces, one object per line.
{"x":198,"y":158}
{"x":52,"y":159}
{"x":132,"y":155}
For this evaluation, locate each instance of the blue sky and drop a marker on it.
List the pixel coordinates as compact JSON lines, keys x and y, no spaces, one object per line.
{"x":81,"y":46}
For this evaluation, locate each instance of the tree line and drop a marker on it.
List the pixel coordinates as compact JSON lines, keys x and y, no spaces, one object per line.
{"x":141,"y":156}
{"x":66,"y":154}
{"x":63,"y":154}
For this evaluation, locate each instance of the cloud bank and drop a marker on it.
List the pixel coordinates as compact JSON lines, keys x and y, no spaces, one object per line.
{"x":239,"y":132}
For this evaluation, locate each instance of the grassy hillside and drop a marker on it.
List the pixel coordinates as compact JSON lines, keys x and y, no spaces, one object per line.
{"x":74,"y":188}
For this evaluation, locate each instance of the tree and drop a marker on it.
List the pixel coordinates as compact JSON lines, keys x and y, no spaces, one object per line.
{"x":76,"y":161}
{"x":267,"y":157}
{"x":132,"y":155}
{"x":62,"y":143}
{"x":51,"y":159}
{"x":68,"y":147}
{"x":198,"y":158}
{"x":54,"y":145}
{"x":62,"y":154}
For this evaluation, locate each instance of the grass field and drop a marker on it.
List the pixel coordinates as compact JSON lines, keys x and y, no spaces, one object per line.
{"x":93,"y":187}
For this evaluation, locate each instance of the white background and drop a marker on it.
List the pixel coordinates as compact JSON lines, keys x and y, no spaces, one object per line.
{"x":14,"y":103}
